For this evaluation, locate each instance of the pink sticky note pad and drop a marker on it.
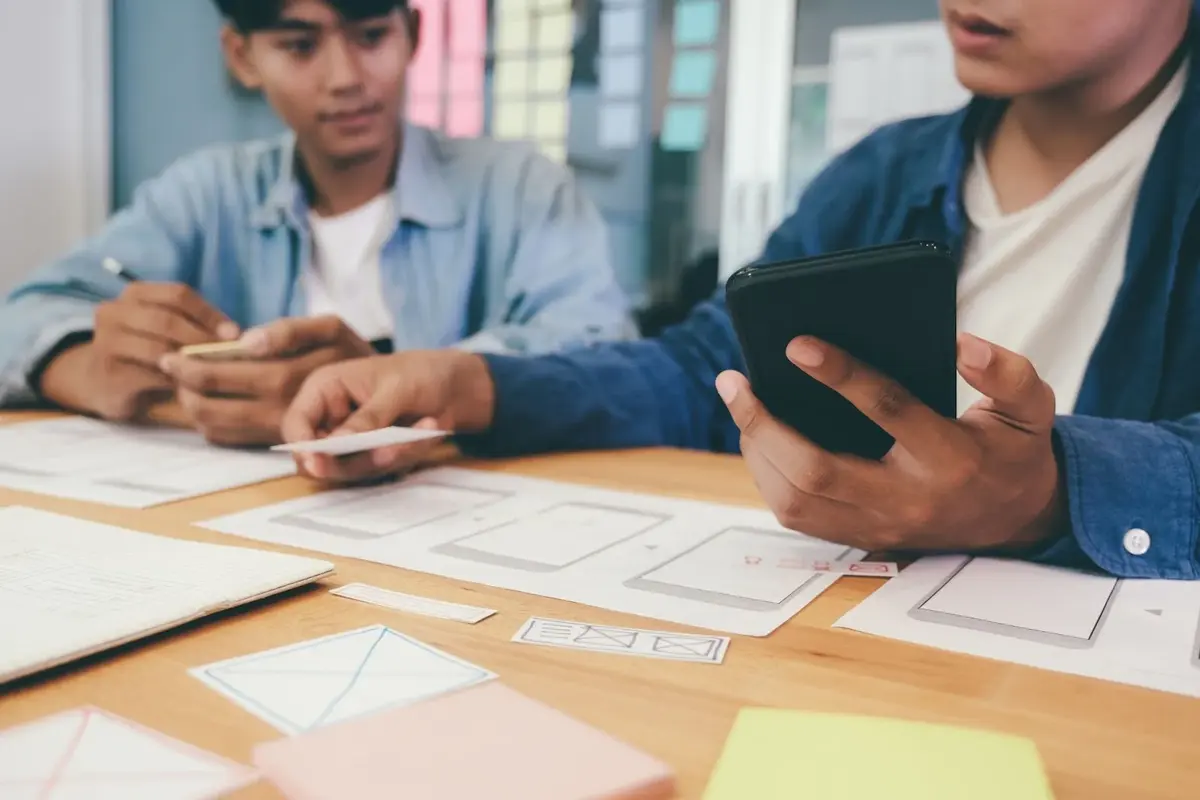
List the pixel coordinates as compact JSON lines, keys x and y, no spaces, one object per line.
{"x":464,"y":118}
{"x":425,"y":69}
{"x":487,"y":741}
{"x":468,"y":27}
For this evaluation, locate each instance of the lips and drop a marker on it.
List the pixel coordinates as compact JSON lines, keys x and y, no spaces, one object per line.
{"x":973,"y":34}
{"x":354,"y":116}
{"x":980,"y":26}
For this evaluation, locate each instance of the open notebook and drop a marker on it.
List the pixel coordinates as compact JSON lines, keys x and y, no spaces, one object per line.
{"x":70,"y":588}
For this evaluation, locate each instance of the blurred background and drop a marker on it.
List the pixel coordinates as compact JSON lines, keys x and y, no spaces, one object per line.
{"x":693,"y":124}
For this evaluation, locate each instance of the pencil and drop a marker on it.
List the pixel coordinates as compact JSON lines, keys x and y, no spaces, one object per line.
{"x":116,"y":268}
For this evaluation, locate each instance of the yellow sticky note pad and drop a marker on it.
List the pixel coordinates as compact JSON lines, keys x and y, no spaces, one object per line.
{"x":552,"y":75}
{"x":550,"y":121}
{"x":512,"y":78}
{"x":513,"y":33}
{"x":774,"y":754}
{"x":555,"y":32}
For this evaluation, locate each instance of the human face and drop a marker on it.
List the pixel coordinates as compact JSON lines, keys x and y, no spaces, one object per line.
{"x":338,"y":84}
{"x":1008,"y":48}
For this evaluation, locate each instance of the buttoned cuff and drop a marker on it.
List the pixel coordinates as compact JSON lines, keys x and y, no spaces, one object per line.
{"x":17,"y":385}
{"x":1132,"y":493}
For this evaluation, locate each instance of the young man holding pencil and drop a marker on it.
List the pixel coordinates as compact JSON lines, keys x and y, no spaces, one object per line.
{"x":353,"y":234}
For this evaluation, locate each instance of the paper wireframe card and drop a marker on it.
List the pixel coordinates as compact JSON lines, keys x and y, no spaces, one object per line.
{"x":624,"y":641}
{"x":412,"y":604}
{"x":89,"y":753}
{"x":361,"y":442}
{"x":307,"y":685}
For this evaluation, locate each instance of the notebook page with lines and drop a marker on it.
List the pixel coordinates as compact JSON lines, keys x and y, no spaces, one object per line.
{"x":70,"y":588}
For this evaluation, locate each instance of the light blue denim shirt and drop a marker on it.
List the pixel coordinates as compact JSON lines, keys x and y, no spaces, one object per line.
{"x":494,"y":249}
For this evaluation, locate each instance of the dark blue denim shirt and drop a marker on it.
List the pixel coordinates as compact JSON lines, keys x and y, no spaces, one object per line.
{"x":1131,"y":451}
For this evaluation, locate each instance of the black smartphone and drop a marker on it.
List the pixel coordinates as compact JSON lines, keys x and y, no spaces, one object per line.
{"x":891,"y":307}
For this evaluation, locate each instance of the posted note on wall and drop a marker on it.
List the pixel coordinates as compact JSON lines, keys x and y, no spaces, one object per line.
{"x":685,"y":126}
{"x":692,"y":73}
{"x":696,"y":22}
{"x":619,"y":122}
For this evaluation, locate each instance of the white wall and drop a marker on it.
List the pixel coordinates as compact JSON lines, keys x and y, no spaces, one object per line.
{"x":54,"y":128}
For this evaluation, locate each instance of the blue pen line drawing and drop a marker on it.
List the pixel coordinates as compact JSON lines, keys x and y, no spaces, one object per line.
{"x":353,"y":680}
{"x":400,"y":671}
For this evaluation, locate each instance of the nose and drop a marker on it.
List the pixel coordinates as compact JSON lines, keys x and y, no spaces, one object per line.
{"x":342,"y":72}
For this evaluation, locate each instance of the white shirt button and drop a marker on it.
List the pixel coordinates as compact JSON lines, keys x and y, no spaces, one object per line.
{"x":1137,"y":542}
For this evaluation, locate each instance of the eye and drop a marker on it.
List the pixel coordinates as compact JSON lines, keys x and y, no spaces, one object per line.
{"x":374,"y":35}
{"x":301,"y":48}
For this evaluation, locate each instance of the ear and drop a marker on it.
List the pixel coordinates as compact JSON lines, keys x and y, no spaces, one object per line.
{"x":236,"y":47}
{"x":412,"y":19}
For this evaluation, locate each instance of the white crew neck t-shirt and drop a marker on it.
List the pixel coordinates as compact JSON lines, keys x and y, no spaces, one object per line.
{"x":343,"y":278}
{"x":1042,"y":281}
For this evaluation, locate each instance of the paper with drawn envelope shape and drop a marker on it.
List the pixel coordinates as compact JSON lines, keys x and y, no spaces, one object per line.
{"x":89,"y":754}
{"x":606,"y":637}
{"x":305,"y":686}
{"x":685,"y":646}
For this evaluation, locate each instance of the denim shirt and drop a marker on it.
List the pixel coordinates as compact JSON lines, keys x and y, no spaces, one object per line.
{"x":493,"y":248}
{"x":1130,"y":453}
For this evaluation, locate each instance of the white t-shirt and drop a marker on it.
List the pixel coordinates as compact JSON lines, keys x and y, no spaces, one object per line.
{"x":344,"y":278}
{"x":1042,"y":281}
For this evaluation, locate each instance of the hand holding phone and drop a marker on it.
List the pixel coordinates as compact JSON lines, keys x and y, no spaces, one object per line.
{"x":891,"y":307}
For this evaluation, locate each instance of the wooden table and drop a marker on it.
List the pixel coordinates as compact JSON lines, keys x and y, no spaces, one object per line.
{"x":1099,"y":740}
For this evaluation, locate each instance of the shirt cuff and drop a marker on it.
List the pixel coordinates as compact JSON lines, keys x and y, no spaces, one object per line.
{"x":1132,"y":495}
{"x":522,"y":387}
{"x":18,"y":384}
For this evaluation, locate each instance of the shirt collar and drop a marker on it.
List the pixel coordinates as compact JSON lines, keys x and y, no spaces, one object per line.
{"x":421,"y":193}
{"x":981,"y":114}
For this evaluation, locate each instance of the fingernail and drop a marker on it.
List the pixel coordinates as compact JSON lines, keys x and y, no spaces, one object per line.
{"x":167,"y":364}
{"x":426,"y":424}
{"x":381,"y":459}
{"x":804,"y":353}
{"x":727,"y":388}
{"x":255,"y":341}
{"x":228,"y":331}
{"x":974,"y":353}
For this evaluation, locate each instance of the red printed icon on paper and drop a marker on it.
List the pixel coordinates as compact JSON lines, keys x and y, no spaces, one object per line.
{"x":868,"y":567}
{"x":753,"y":561}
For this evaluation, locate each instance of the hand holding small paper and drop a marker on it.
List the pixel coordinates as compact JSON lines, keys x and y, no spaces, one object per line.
{"x":432,"y":390}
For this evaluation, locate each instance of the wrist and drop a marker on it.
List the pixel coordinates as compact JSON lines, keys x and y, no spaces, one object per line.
{"x":473,"y":393}
{"x":64,"y":380}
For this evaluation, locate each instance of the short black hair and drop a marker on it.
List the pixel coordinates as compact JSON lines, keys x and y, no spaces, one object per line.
{"x":249,"y":16}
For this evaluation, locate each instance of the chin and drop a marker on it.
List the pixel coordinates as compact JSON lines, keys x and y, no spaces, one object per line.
{"x":351,"y":152}
{"x":989,"y":79}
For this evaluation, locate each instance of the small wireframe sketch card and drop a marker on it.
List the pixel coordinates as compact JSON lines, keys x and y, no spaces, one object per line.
{"x":89,"y":753}
{"x":700,"y":648}
{"x":311,"y":684}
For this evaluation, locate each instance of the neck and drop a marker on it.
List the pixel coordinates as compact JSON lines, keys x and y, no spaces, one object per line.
{"x":336,"y":186}
{"x":1064,"y":127}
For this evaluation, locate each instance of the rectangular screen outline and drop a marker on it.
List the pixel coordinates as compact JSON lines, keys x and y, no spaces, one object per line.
{"x":918,"y":612}
{"x":455,"y":548}
{"x":642,"y":583}
{"x":301,"y":521}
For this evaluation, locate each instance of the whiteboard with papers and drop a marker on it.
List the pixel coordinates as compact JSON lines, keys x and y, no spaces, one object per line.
{"x":70,"y":588}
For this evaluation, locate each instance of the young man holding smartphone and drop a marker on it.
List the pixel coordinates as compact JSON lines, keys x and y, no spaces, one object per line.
{"x":352,"y":231}
{"x":1068,"y":190}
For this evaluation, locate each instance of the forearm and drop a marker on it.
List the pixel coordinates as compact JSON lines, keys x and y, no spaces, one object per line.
{"x":634,"y":394}
{"x":1131,"y":496}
